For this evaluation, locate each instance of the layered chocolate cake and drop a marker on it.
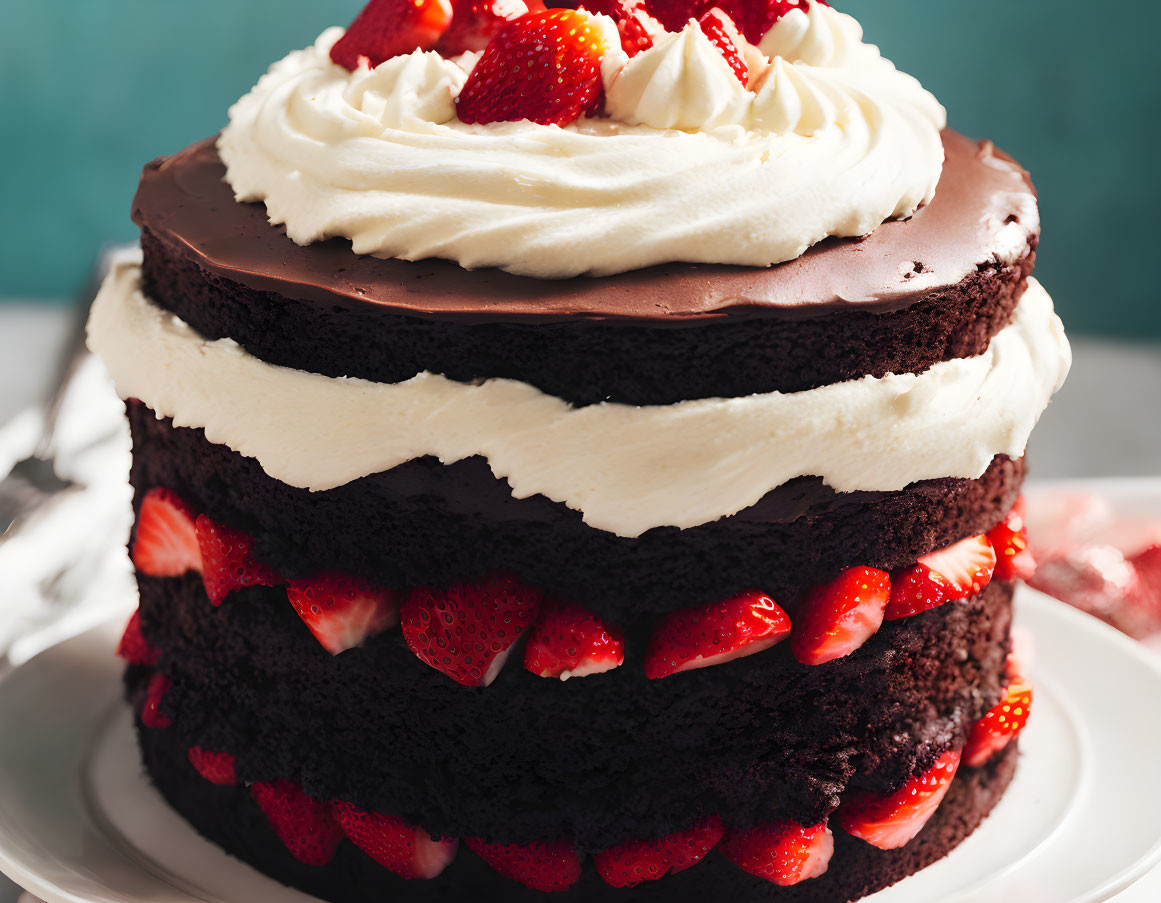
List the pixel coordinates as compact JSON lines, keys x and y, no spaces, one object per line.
{"x":578,"y":452}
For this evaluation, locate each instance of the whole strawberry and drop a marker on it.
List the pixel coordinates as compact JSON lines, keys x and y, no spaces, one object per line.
{"x":387,"y":28}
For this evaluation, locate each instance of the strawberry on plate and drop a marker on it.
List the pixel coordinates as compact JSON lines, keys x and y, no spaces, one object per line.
{"x":166,"y":543}
{"x":468,"y":630}
{"x":838,"y":617}
{"x":474,"y":22}
{"x":756,"y":17}
{"x":133,"y":646}
{"x":889,"y":822}
{"x":215,"y":767}
{"x":545,"y":67}
{"x":303,"y":824}
{"x":546,"y":867}
{"x":568,"y":640}
{"x":404,"y":849}
{"x":628,"y":864}
{"x":1009,"y":539}
{"x":782,"y":852}
{"x":714,"y":634}
{"x":997,"y":728}
{"x":948,"y":574}
{"x":388,"y":28}
{"x":638,"y":29}
{"x":342,"y":611}
{"x":228,"y":561}
{"x":724,"y":35}
{"x":151,"y":714}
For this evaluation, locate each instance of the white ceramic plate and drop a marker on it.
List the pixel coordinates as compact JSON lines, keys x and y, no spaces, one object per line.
{"x":1082,"y":820}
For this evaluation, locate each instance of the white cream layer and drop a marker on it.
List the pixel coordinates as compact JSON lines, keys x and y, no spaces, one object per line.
{"x":626,"y":469}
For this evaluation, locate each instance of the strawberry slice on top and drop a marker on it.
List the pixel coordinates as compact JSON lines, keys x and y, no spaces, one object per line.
{"x":754,"y":19}
{"x":475,"y":22}
{"x":889,"y":822}
{"x":547,"y":867}
{"x":714,"y":634}
{"x":166,"y":543}
{"x":468,"y":630}
{"x":997,"y":728}
{"x":545,"y":67}
{"x":836,"y":618}
{"x":568,"y":640}
{"x":389,"y":28}
{"x":404,"y":849}
{"x":946,"y":575}
{"x":628,"y":864}
{"x":782,"y":852}
{"x":342,"y":611}
{"x":724,"y":35}
{"x":1009,"y":539}
{"x":228,"y":561}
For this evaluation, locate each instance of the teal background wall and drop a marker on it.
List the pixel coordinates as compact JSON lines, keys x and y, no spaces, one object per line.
{"x":92,"y":89}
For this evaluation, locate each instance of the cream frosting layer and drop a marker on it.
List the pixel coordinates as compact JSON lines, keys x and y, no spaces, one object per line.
{"x":829,"y":139}
{"x":625,"y":468}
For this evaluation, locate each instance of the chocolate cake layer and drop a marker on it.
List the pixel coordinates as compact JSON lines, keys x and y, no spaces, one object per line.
{"x":600,"y":759}
{"x":426,"y":523}
{"x":911,"y":294}
{"x":229,"y":818}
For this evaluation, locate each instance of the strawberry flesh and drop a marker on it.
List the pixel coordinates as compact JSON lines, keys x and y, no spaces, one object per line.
{"x":215,"y":767}
{"x":468,"y":630}
{"x":754,"y":19}
{"x":1009,"y":539}
{"x":475,"y":22}
{"x":675,"y":14}
{"x":151,"y":714}
{"x":167,"y":543}
{"x":133,"y":646}
{"x":631,"y":863}
{"x":782,"y":852}
{"x":545,"y":67}
{"x":720,"y":29}
{"x":997,"y":728}
{"x":568,"y":640}
{"x":838,"y":617}
{"x":952,"y":573}
{"x":401,"y":848}
{"x":304,"y":825}
{"x":546,"y":867}
{"x":389,"y":28}
{"x":638,"y":29}
{"x":342,"y":611}
{"x":889,"y":822}
{"x":228,"y":561}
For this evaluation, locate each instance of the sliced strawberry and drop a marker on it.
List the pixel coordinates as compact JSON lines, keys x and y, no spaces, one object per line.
{"x":838,"y":617}
{"x":675,"y":14}
{"x":631,"y":863}
{"x":397,"y":846}
{"x":1009,"y":539}
{"x":545,"y":867}
{"x":956,"y":572}
{"x":545,"y":67}
{"x":133,"y":646}
{"x":748,"y":623}
{"x":303,"y":824}
{"x":475,"y":22}
{"x":782,"y":852}
{"x":638,"y":29}
{"x":342,"y":611}
{"x":387,"y":28}
{"x":756,"y":17}
{"x":467,"y":631}
{"x":228,"y":561}
{"x":724,"y":35}
{"x":889,"y":822}
{"x":568,"y":640}
{"x":215,"y":767}
{"x":166,"y":544}
{"x":151,"y":714}
{"x":997,"y":728}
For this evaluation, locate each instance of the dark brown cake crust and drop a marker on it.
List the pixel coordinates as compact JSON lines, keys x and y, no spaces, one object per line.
{"x":912,"y":294}
{"x":426,"y":523}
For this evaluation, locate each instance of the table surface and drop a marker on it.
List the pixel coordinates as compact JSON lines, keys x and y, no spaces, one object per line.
{"x":1103,"y":423}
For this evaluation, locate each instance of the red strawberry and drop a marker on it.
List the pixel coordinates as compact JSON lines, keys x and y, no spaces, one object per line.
{"x":570,"y":641}
{"x":151,"y":714}
{"x":638,"y":29}
{"x":342,"y":611}
{"x":631,"y":863}
{"x":956,"y":572}
{"x":304,"y":825}
{"x":1009,"y":539}
{"x":838,"y":617}
{"x":540,"y":866}
{"x":215,"y":767}
{"x":133,"y":647}
{"x":474,"y":22}
{"x":228,"y":561}
{"x":889,"y":822}
{"x":166,"y":545}
{"x":467,"y":631}
{"x":397,"y":846}
{"x":754,"y":19}
{"x":782,"y":852}
{"x":714,"y":634}
{"x":545,"y":67}
{"x":997,"y":728}
{"x":720,"y":29}
{"x":387,"y":28}
{"x":675,"y":14}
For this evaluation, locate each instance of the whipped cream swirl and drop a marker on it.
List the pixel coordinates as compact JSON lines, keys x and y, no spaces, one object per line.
{"x":689,"y":165}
